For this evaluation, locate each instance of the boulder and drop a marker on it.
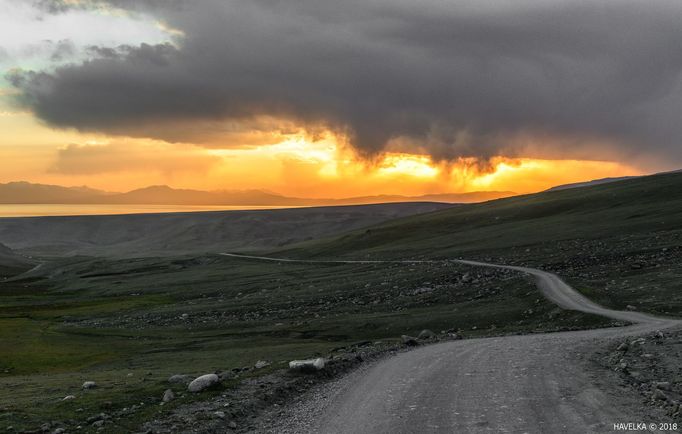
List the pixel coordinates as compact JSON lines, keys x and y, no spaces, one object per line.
{"x":203,"y":382}
{"x":89,"y":385}
{"x":310,"y":365}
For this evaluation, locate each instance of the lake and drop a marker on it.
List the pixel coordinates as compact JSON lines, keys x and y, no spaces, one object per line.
{"x":35,"y":210}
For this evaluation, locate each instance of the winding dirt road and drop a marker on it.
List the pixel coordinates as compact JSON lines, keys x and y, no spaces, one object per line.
{"x":513,"y":384}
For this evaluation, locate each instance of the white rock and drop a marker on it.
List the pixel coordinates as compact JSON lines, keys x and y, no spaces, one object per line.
{"x":261,"y":364}
{"x":203,"y":383}
{"x":68,"y":398}
{"x":89,"y":385}
{"x":307,"y":365}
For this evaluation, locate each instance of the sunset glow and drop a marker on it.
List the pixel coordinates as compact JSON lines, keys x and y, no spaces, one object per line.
{"x":202,"y":140}
{"x":294,"y":165}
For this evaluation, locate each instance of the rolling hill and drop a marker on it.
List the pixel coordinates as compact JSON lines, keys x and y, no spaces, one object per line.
{"x":177,"y":233}
{"x":635,"y":207}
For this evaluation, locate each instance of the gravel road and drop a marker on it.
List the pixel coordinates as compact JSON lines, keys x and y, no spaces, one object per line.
{"x":514,"y":384}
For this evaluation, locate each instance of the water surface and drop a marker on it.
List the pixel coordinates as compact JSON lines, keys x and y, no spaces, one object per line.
{"x":34,"y":210}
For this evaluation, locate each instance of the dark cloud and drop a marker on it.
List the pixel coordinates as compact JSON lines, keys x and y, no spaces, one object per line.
{"x":455,"y":78}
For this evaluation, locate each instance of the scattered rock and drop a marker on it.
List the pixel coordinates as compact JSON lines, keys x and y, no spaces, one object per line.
{"x":232,"y":425}
{"x":59,"y":431}
{"x":68,"y":398}
{"x":309,"y":365}
{"x":409,"y":340}
{"x":203,"y":382}
{"x":219,"y":414}
{"x":630,"y":307}
{"x":426,"y":335}
{"x":623,"y":347}
{"x":168,"y":396}
{"x":89,"y":385}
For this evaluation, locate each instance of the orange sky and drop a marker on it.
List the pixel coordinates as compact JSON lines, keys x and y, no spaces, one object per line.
{"x":262,"y":153}
{"x":287,"y":164}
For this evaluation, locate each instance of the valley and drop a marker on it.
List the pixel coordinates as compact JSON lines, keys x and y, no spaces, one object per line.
{"x":130,"y":322}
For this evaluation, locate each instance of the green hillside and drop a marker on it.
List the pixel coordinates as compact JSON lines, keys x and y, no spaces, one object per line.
{"x":635,"y":207}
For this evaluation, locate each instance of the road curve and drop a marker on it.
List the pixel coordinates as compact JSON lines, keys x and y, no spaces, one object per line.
{"x":560,"y":293}
{"x":552,"y":287}
{"x":513,"y":384}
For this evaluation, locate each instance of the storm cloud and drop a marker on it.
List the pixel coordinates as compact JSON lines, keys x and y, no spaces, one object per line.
{"x":455,"y":79}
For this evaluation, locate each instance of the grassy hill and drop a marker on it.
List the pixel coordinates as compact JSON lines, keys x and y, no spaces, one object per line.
{"x":619,"y":243}
{"x":639,"y":206}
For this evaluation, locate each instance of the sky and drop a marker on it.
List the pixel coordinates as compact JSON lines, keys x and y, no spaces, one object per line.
{"x":336,"y":99}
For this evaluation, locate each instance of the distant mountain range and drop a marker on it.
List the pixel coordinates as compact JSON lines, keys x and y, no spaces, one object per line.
{"x":28,"y":193}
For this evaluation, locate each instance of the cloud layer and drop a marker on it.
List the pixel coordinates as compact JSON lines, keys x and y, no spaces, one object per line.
{"x":457,"y":79}
{"x":168,"y":160}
